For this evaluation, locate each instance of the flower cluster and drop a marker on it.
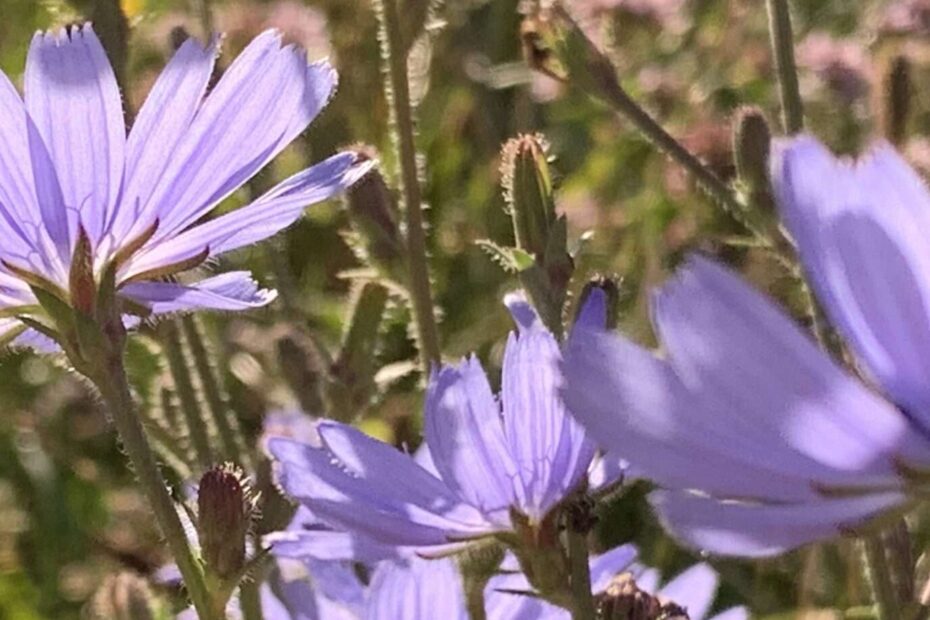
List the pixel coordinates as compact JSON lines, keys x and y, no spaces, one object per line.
{"x":758,"y":438}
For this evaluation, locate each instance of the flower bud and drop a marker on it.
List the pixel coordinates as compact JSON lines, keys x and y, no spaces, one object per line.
{"x":124,"y":596}
{"x":752,"y":141}
{"x":373,"y":212}
{"x":527,"y":187}
{"x":541,"y":257}
{"x":225,"y":503}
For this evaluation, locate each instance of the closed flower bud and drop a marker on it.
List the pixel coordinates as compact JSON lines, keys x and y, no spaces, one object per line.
{"x":373,"y":212}
{"x":124,"y":596}
{"x":528,"y":191}
{"x":752,"y":141}
{"x":225,"y":503}
{"x":541,"y":235}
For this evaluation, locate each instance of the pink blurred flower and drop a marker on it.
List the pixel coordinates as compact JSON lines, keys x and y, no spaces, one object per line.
{"x":840,"y":64}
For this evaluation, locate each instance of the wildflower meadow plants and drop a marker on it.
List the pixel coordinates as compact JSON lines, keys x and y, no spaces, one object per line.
{"x":327,"y":412}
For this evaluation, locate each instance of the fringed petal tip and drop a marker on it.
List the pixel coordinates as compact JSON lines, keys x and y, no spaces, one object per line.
{"x":59,"y":34}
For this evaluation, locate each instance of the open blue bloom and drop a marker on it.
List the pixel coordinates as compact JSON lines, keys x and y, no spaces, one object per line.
{"x":784,"y":446}
{"x":489,"y":459}
{"x":71,"y":178}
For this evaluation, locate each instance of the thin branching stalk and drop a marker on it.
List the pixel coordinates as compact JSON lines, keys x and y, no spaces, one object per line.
{"x":204,"y":13}
{"x":603,"y":75}
{"x":187,"y":394}
{"x":227,"y":425}
{"x":397,"y":88}
{"x":782,"y":38}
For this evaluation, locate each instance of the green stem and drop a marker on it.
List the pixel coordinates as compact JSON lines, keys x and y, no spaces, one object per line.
{"x":187,"y":394}
{"x":582,"y":600}
{"x":783,"y":49}
{"x":114,"y":389}
{"x":204,"y":16}
{"x":397,"y":89}
{"x":665,"y":142}
{"x":250,"y":600}
{"x":226,"y":424}
{"x":474,"y":598}
{"x":600,"y":74}
{"x":884,"y":593}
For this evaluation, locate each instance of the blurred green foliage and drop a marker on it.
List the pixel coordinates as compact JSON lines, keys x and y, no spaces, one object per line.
{"x":68,"y":513}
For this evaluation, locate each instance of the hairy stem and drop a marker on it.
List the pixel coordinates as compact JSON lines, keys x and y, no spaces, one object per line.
{"x":783,"y":50}
{"x":397,"y":88}
{"x":114,"y":389}
{"x":582,"y":601}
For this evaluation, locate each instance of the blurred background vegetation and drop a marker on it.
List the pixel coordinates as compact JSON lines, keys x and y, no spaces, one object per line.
{"x":69,"y":515}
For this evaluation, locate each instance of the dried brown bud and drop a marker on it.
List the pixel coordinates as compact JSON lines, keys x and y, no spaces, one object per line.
{"x":752,"y":141}
{"x":225,"y":503}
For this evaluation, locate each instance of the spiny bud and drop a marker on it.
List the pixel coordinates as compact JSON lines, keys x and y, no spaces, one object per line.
{"x":598,"y":302}
{"x":623,"y":600}
{"x":527,"y":185}
{"x":896,"y":94}
{"x":225,"y":503}
{"x":373,"y":211}
{"x":124,"y":596}
{"x":752,"y":141}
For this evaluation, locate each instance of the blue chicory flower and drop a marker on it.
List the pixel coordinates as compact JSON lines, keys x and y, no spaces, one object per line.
{"x":784,"y":446}
{"x":69,"y":171}
{"x":486,"y":458}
